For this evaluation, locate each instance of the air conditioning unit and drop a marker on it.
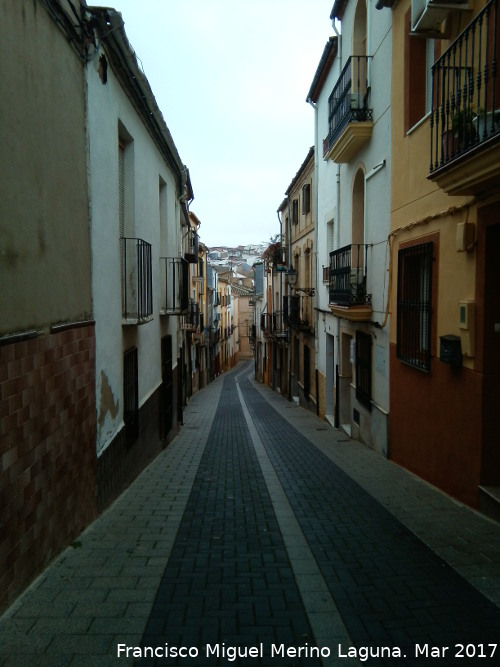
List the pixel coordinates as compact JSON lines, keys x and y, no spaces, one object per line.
{"x":428,"y":15}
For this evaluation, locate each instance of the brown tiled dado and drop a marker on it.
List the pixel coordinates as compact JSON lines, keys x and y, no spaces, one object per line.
{"x":48,"y":468}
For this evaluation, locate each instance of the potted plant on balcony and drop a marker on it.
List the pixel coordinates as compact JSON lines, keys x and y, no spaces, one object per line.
{"x":461,"y":134}
{"x":463,"y":127}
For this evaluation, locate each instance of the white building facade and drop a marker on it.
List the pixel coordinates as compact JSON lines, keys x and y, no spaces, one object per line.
{"x":138,"y":188}
{"x":353,"y":136}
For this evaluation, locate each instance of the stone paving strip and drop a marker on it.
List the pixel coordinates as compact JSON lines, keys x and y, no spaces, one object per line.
{"x":100,"y":591}
{"x":229,"y":591}
{"x":325,"y":619}
{"x":465,"y":539}
{"x":391,"y":590}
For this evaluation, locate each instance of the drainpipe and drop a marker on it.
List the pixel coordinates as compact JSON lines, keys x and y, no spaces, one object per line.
{"x":316,"y":222}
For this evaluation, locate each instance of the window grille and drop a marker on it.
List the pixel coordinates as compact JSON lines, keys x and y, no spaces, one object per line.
{"x":414,"y":305}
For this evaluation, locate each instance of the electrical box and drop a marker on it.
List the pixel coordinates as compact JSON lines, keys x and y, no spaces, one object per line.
{"x":450,"y":350}
{"x":466,"y":233}
{"x":466,"y":326}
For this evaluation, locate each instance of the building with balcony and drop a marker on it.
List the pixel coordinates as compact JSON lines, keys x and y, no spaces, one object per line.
{"x":228,"y":312}
{"x":444,"y":334}
{"x":274,"y":329}
{"x":357,"y":125}
{"x":325,"y":194}
{"x":139,"y":191}
{"x":295,"y":291}
{"x":193,"y":320}
{"x":259,"y":303}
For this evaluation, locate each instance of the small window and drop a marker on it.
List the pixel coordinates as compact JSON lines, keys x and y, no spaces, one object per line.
{"x":295,"y":212}
{"x":364,"y":368}
{"x":306,"y":199}
{"x":414,"y":305}
{"x":130,"y":396}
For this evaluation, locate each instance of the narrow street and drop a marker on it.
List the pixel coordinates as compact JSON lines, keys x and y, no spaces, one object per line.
{"x":262,"y":536}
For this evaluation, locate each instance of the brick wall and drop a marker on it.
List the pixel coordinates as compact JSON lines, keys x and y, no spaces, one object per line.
{"x":47,"y":451}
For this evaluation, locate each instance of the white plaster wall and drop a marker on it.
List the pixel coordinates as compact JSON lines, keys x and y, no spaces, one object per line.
{"x":327,"y":210}
{"x":377,"y":186}
{"x":107,"y":105}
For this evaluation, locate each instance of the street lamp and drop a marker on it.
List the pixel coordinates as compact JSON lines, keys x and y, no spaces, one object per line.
{"x":291,"y":276}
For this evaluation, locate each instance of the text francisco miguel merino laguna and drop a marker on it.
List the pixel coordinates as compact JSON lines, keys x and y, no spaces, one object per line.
{"x":232,"y":653}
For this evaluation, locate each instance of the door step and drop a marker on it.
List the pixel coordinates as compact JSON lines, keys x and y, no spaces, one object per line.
{"x":489,"y":501}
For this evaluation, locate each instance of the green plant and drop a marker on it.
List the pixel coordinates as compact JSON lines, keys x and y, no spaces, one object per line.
{"x":462,"y":124}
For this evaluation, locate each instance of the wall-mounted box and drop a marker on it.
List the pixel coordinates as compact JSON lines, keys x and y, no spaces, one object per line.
{"x":450,"y":350}
{"x":466,"y":326}
{"x":466,"y":234}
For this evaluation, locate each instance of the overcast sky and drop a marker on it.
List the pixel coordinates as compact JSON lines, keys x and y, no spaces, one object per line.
{"x":231,"y":78}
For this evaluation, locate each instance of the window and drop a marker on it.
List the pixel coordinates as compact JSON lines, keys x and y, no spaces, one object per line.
{"x":429,"y":62}
{"x":306,"y":199}
{"x":130,"y":396}
{"x":420,"y":55}
{"x":295,"y":212}
{"x":364,"y":368}
{"x":414,"y":305}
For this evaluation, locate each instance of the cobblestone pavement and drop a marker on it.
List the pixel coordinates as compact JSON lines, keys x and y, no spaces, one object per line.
{"x":262,"y":536}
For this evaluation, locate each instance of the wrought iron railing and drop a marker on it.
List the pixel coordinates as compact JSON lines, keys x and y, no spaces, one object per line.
{"x":349,"y":99}
{"x":191,"y":318}
{"x":191,"y":253}
{"x":348,"y":271}
{"x":175,"y":285}
{"x":466,"y":90}
{"x":299,"y":312}
{"x":137,"y":280}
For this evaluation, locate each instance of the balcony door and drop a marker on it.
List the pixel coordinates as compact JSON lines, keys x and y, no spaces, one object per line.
{"x":359,"y":48}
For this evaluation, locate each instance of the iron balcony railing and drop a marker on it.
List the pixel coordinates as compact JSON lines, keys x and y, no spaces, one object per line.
{"x":279,"y":324}
{"x":299,"y":312}
{"x":348,"y":270}
{"x":191,"y":253}
{"x":175,"y":285}
{"x":349,"y":99}
{"x":137,"y":280}
{"x":466,"y":90}
{"x":191,"y":319}
{"x":273,"y":324}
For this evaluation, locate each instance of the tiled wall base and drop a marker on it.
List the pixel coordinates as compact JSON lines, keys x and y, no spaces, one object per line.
{"x":47,"y":451}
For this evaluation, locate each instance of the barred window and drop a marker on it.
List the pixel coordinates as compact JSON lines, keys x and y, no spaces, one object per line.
{"x":364,"y":368}
{"x":414,"y":305}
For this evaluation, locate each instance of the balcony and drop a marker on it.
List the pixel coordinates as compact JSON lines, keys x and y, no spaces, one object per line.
{"x":191,"y":254}
{"x":191,"y":319}
{"x":465,"y":119}
{"x":273,"y":325}
{"x":175,"y":286}
{"x":137,"y":282}
{"x":350,"y":120}
{"x":348,"y":296}
{"x":299,"y":312}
